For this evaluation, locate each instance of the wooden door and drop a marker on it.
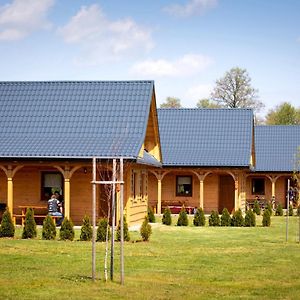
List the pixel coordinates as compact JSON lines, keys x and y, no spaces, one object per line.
{"x":226,"y":194}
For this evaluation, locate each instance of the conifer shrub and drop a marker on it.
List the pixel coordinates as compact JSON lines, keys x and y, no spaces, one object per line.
{"x":291,"y":210}
{"x":182,"y":218}
{"x":29,"y":230}
{"x":145,"y":230}
{"x":266,"y":221}
{"x":102,"y":230}
{"x":238,"y":219}
{"x":256,"y":208}
{"x":250,"y":219}
{"x":86,"y":229}
{"x":67,"y":230}
{"x":225,"y":218}
{"x":7,"y":227}
{"x":199,"y":217}
{"x":151,"y":216}
{"x":269,"y":208}
{"x":49,"y":229}
{"x":298,"y":211}
{"x":167,"y":219}
{"x":279,"y":210}
{"x":125,"y":231}
{"x":214,"y":219}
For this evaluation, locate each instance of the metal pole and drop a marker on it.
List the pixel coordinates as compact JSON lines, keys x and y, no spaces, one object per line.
{"x":94,"y":222}
{"x":122,"y":221}
{"x":113,"y":220}
{"x":287,"y":211}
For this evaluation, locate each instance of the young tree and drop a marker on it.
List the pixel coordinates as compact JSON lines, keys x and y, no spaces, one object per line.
{"x":125,"y":231}
{"x":167,"y":219}
{"x":67,"y":230}
{"x":49,"y":229}
{"x":182,"y":218}
{"x":7,"y":228}
{"x":214,"y":219}
{"x":238,"y":219}
{"x":145,"y":230}
{"x":103,"y":231}
{"x":29,"y":230}
{"x":171,"y":102}
{"x":207,"y":103}
{"x":151,"y":216}
{"x":234,"y":90}
{"x":225,"y":218}
{"x":283,"y":114}
{"x":86,"y":229}
{"x":199,"y":218}
{"x":250,"y":220}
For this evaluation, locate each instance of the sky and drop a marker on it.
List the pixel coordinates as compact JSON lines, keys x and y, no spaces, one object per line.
{"x":183,"y":45}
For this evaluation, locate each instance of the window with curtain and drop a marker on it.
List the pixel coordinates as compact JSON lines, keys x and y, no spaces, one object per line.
{"x":184,"y":186}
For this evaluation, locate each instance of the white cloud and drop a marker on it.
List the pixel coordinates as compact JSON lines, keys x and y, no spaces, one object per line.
{"x":20,"y":18}
{"x":186,"y":65}
{"x":192,"y":7}
{"x":199,"y":91}
{"x":102,"y":39}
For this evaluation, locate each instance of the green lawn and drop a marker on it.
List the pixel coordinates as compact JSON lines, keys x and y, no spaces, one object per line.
{"x":178,"y":263}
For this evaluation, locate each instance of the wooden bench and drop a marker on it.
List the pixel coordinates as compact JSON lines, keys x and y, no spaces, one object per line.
{"x":22,"y":216}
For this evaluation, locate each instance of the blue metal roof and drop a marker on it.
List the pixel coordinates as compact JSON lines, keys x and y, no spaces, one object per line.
{"x":74,"y":119}
{"x":206,"y":137}
{"x":276,"y":147}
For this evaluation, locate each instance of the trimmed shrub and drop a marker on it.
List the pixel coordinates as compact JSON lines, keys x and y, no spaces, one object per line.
{"x":250,"y":219}
{"x":269,"y":208}
{"x":238,"y":219}
{"x":66,"y":230}
{"x":146,"y":230}
{"x":102,"y":230}
{"x":266,"y":221}
{"x":199,"y":217}
{"x":29,"y":230}
{"x":182,"y":218}
{"x":291,"y":210}
{"x":167,"y":219}
{"x":298,"y":211}
{"x":225,"y":218}
{"x":49,"y":229}
{"x":279,"y":210}
{"x":151,"y":216}
{"x":86,"y":229}
{"x":125,"y":231}
{"x":7,"y":227}
{"x":214,"y":219}
{"x":256,"y":208}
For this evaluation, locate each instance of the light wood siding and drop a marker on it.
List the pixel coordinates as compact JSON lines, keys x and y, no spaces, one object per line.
{"x":211,"y":193}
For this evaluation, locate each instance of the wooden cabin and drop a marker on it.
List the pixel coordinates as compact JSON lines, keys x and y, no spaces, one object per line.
{"x":51,"y":131}
{"x":206,"y":156}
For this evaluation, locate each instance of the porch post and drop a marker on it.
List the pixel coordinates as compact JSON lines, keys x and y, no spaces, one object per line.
{"x":67,"y":198}
{"x":159,"y":195}
{"x":201,"y":194}
{"x":273,"y":187}
{"x":10,"y":198}
{"x":236,"y":194}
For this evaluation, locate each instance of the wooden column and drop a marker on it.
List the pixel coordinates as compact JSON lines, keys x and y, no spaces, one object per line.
{"x":273,"y":188}
{"x":159,"y":195}
{"x":201,"y":193}
{"x":10,"y":195}
{"x":67,"y":198}
{"x":236,"y":194}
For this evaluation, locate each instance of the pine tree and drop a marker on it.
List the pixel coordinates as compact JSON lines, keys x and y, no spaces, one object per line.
{"x":214,"y":219}
{"x":151,"y":216}
{"x":167,"y":219}
{"x":125,"y":231}
{"x":266,"y":221}
{"x":238,"y":219}
{"x":29,"y":230}
{"x":49,"y":229}
{"x":250,"y":220}
{"x":67,"y":230}
{"x":86,"y":229}
{"x":279,"y":210}
{"x":146,"y":230}
{"x":102,"y":229}
{"x":298,"y":210}
{"x":182,"y":218}
{"x":256,"y":208}
{"x":199,"y":218}
{"x":269,"y":208}
{"x":225,"y":218}
{"x":7,"y":227}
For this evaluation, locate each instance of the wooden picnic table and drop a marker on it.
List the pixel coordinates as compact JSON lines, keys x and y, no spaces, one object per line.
{"x":34,"y":207}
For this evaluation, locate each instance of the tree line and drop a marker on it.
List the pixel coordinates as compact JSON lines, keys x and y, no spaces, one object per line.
{"x":234,"y":90}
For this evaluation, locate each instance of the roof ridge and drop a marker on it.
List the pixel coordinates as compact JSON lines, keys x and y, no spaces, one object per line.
{"x":206,"y":109}
{"x":74,"y":81}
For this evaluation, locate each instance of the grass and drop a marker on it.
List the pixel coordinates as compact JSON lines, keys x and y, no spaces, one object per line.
{"x":178,"y":263}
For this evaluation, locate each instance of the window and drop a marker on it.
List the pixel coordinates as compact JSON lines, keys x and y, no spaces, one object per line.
{"x":51,"y":182}
{"x":258,"y":186}
{"x":184,"y":186}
